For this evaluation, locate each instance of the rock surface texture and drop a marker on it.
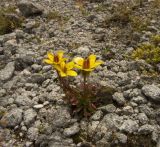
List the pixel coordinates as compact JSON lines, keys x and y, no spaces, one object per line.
{"x":33,"y":112}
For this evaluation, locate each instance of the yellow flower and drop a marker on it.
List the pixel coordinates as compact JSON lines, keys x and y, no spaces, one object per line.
{"x":88,"y":64}
{"x":55,"y":59}
{"x":66,"y":69}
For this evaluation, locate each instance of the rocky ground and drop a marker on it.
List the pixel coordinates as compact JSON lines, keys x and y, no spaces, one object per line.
{"x":32,"y":111}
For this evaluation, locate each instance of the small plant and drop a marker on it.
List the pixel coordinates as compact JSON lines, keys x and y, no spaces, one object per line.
{"x":55,"y":15}
{"x":9,"y":21}
{"x":81,"y":98}
{"x":138,"y":23}
{"x":148,"y":52}
{"x":156,"y":40}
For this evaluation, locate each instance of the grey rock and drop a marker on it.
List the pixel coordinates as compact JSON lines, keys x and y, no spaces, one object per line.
{"x":36,"y":67}
{"x":97,"y":115}
{"x":147,"y":110}
{"x":118,"y":97}
{"x":143,"y":119}
{"x":110,"y":108}
{"x":139,"y":100}
{"x":23,"y":100}
{"x":29,"y":116}
{"x":71,"y":130}
{"x":129,"y":126}
{"x":29,"y":9}
{"x":36,"y":78}
{"x":123,"y":79}
{"x":122,"y":138}
{"x":83,"y":50}
{"x":32,"y":133}
{"x":24,"y":61}
{"x":127,"y":110}
{"x":152,"y":92}
{"x":59,"y":117}
{"x":2,"y":92}
{"x":146,"y":129}
{"x":7,"y":72}
{"x":112,"y":121}
{"x":39,"y":106}
{"x":29,"y":144}
{"x":12,"y":118}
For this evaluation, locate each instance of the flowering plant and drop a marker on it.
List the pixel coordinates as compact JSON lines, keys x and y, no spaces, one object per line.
{"x":82,"y":97}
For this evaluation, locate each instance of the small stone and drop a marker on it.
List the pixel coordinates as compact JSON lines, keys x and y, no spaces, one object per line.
{"x":12,"y":118}
{"x":118,"y":97}
{"x":139,"y":100}
{"x":71,"y":130}
{"x":83,"y":50}
{"x":129,"y":126}
{"x":46,"y":103}
{"x":32,"y":133}
{"x":110,"y":108}
{"x":128,"y":110}
{"x":7,"y":72}
{"x":121,"y":138}
{"x":152,"y":92}
{"x":97,"y":115}
{"x":143,"y":119}
{"x":36,"y":78}
{"x":29,"y":116}
{"x":2,"y":92}
{"x":36,"y":67}
{"x":146,"y":129}
{"x":23,"y":100}
{"x":39,"y":106}
{"x":28,"y":144}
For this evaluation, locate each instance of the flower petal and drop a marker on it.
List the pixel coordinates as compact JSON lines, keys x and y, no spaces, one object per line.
{"x":78,"y":60}
{"x":60,"y":54}
{"x":71,"y":73}
{"x":62,"y":74}
{"x":69,"y":65}
{"x":57,"y":67}
{"x":48,"y":61}
{"x":62,"y":65}
{"x":77,"y":66}
{"x":50,"y":56}
{"x":98,"y":62}
{"x":88,"y":69}
{"x":92,"y":59}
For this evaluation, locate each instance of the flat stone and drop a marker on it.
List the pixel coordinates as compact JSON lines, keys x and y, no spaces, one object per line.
{"x":71,"y":130}
{"x":146,"y":129}
{"x":129,"y":126}
{"x":97,"y":115}
{"x":29,"y":9}
{"x":119,"y":98}
{"x":7,"y":72}
{"x":29,"y":116}
{"x":152,"y":92}
{"x":12,"y":118}
{"x":110,"y":108}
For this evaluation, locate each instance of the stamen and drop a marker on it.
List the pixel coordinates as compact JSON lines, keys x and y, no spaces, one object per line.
{"x":56,"y":58}
{"x":86,"y":64}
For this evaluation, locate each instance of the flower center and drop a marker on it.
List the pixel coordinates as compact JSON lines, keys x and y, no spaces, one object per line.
{"x":86,"y":64}
{"x":56,"y":58}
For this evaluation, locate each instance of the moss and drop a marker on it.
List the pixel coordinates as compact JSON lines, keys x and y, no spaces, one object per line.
{"x":148,"y":52}
{"x":121,"y":14}
{"x":156,"y":40}
{"x":139,"y":23}
{"x":9,"y":22}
